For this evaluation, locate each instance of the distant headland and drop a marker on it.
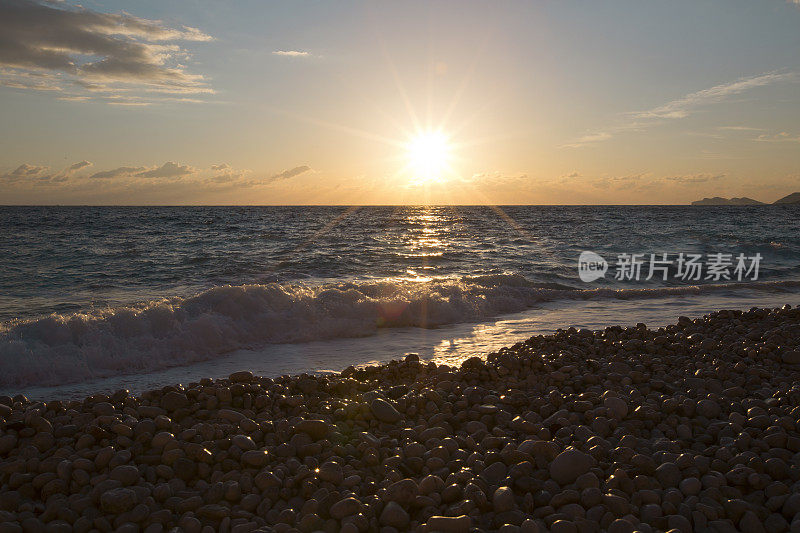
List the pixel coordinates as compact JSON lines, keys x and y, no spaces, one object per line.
{"x":793,"y":198}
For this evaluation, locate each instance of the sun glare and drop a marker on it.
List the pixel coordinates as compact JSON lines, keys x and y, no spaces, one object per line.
{"x":428,"y":156}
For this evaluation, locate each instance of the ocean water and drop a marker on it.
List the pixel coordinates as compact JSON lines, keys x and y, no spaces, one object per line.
{"x":95,"y":298}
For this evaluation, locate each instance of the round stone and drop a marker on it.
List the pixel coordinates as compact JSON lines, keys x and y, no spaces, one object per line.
{"x":126,"y":474}
{"x":617,"y":407}
{"x":569,"y":465}
{"x":316,"y":429}
{"x":449,"y":524}
{"x":344,"y":508}
{"x":668,"y":475}
{"x":503,"y":500}
{"x":118,"y":500}
{"x":708,"y":408}
{"x":791,"y":357}
{"x":395,"y":516}
{"x":384,"y":411}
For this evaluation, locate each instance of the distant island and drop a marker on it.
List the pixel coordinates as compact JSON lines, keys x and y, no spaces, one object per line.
{"x":717,"y":200}
{"x":793,"y":198}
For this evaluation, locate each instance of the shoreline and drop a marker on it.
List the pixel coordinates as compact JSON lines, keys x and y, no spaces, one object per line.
{"x":692,"y":426}
{"x":108,"y":367}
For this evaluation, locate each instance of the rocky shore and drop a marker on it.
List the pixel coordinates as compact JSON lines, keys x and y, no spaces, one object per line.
{"x":692,"y":427}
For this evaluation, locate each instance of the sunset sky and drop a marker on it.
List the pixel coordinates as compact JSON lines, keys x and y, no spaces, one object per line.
{"x":267,"y":102}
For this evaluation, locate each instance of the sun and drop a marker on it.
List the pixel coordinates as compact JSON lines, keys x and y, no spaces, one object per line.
{"x":428,"y":156}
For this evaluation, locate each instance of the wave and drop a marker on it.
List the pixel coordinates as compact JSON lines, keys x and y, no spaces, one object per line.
{"x":66,"y":348}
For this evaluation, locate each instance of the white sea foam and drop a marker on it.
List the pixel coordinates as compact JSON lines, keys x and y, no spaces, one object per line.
{"x":180,"y":331}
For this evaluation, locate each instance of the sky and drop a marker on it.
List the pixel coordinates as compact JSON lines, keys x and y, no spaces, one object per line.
{"x":223,"y":102}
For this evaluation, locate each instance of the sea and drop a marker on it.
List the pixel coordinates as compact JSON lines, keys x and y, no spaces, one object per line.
{"x":97,"y":299}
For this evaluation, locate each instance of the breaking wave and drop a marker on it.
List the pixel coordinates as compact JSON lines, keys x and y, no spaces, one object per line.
{"x":65,"y":348}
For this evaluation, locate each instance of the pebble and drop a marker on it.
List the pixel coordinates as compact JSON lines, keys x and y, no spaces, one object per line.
{"x":344,"y":508}
{"x":394,"y":516}
{"x":569,"y":465}
{"x":316,"y":429}
{"x":449,"y":524}
{"x":403,"y":492}
{"x":126,"y":474}
{"x":503,"y":500}
{"x":791,"y":357}
{"x":690,"y":427}
{"x":708,"y":408}
{"x":617,"y":407}
{"x":118,"y":500}
{"x":384,"y":411}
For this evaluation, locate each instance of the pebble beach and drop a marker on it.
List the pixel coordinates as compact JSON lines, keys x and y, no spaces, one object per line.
{"x":690,"y":427}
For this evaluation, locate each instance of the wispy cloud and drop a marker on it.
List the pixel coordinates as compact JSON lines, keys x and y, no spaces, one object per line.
{"x":15,"y":81}
{"x":291,"y":53}
{"x":783,"y":136}
{"x":27,"y":170}
{"x":695,"y":178}
{"x":494,"y":178}
{"x":618,"y":183}
{"x":739,"y":128}
{"x":216,"y":177}
{"x":61,"y":47}
{"x":681,"y":107}
{"x":79,"y":165}
{"x":73,"y":168}
{"x":39,"y":174}
{"x":116,"y":172}
{"x":590,"y":138}
{"x":226,"y":174}
{"x":170,"y":169}
{"x":288,"y":174}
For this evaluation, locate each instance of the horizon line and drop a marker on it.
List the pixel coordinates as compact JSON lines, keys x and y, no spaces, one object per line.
{"x":392,"y":205}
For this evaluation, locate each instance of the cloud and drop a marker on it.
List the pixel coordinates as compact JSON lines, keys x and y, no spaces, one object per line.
{"x":34,"y":174}
{"x":170,"y":169}
{"x":779,"y":137}
{"x":171,"y":176}
{"x":70,"y":170}
{"x":568,"y":179}
{"x":681,"y":107}
{"x":78,"y":166}
{"x":16,"y":82}
{"x":617,"y":182}
{"x":290,"y":53}
{"x":78,"y":49}
{"x":493,"y":179}
{"x":117,"y":172}
{"x":26,"y":170}
{"x":288,"y":174}
{"x":226,"y":174}
{"x":589,"y":138}
{"x":695,"y":178}
{"x":75,"y":98}
{"x":739,"y":128}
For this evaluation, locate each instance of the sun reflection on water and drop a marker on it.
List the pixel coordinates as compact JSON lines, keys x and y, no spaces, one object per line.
{"x":425,"y":240}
